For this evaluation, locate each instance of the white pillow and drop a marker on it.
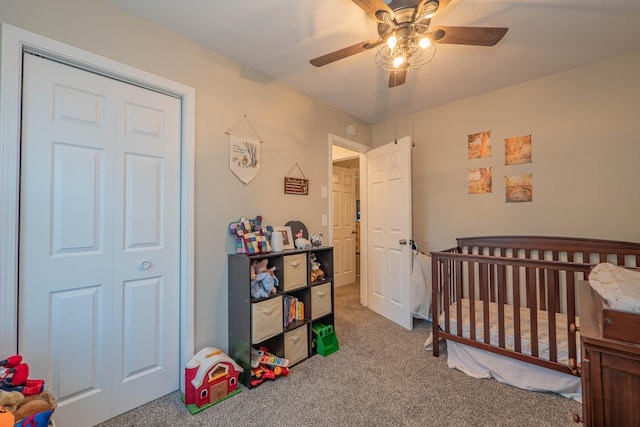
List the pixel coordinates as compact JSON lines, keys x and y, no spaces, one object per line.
{"x":619,"y":286}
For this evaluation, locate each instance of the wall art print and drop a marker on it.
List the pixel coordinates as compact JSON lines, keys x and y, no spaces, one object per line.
{"x":517,"y":150}
{"x":480,"y":180}
{"x":479,"y":145}
{"x":519,"y":188}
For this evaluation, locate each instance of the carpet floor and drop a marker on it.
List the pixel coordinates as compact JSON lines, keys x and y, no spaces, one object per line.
{"x":380,"y":376}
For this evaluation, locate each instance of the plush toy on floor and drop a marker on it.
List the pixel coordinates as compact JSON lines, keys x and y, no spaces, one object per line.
{"x":264,"y":280}
{"x":13,"y":372}
{"x":14,"y":377}
{"x":22,"y":399}
{"x":9,"y":400}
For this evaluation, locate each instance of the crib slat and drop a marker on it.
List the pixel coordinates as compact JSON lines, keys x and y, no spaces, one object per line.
{"x":471,"y":267}
{"x":484,"y":284}
{"x":516,"y":309}
{"x":551,"y":314}
{"x":556,"y":278}
{"x":446,"y":268}
{"x":492,"y":281}
{"x":542,"y":290}
{"x":501,"y":301}
{"x":533,"y":309}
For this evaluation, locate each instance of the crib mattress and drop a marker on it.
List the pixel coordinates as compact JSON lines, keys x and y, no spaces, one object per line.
{"x":525,"y":328}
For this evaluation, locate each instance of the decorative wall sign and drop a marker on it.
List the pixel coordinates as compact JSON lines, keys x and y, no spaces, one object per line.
{"x":244,"y":157}
{"x":296,"y":185}
{"x":244,"y":154}
{"x":517,"y":150}
{"x":479,"y":144}
{"x":519,"y":188}
{"x":480,"y":180}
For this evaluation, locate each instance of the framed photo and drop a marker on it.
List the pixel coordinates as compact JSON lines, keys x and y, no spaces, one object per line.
{"x":287,"y":237}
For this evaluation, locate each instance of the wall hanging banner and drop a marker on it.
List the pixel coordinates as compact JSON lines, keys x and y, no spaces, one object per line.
{"x":244,"y":157}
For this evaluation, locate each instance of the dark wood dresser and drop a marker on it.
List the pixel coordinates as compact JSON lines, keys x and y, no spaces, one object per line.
{"x":610,"y":367}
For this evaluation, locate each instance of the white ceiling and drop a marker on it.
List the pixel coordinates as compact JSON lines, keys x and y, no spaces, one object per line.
{"x":278,"y":38}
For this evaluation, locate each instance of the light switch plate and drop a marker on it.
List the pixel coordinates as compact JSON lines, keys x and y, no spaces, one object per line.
{"x":324,"y":220}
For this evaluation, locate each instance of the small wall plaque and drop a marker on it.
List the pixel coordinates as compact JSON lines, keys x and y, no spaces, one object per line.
{"x":296,"y":185}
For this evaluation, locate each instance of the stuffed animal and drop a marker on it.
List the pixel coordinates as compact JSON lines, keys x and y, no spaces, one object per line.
{"x":301,"y":242}
{"x":6,"y":418}
{"x":316,"y":240}
{"x":316,"y":272}
{"x":34,"y":404}
{"x":265,"y":281}
{"x":10,"y":400}
{"x":13,"y":372}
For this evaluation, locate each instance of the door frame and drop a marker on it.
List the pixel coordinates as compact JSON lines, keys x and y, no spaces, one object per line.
{"x":362,"y":151}
{"x":14,"y":43}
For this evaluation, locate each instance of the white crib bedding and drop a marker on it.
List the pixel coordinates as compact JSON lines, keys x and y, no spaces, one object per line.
{"x":483,"y":364}
{"x":421,"y":286}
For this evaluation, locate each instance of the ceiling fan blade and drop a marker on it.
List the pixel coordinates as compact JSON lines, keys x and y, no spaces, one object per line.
{"x":398,"y":77}
{"x":373,"y":6}
{"x":475,"y":36}
{"x":344,"y":52}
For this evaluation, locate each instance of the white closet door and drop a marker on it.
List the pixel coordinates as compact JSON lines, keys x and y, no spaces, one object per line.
{"x":99,"y":240}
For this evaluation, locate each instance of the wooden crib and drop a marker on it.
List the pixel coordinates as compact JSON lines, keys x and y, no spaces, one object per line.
{"x":522,"y":290}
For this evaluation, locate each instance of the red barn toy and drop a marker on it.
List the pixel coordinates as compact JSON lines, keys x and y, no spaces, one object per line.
{"x":210,"y":376}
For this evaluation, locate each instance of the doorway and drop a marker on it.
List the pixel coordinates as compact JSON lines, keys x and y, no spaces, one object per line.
{"x":351,"y":156}
{"x":385,"y":224}
{"x":346,"y":219}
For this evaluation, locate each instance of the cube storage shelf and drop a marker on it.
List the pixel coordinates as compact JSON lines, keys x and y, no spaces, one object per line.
{"x":257,"y":322}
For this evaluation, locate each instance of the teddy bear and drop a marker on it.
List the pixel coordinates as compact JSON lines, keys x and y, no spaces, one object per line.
{"x":10,"y":400}
{"x":34,"y":404}
{"x":264,"y":280}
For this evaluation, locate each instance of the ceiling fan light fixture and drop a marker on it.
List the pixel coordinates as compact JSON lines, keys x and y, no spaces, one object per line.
{"x":398,"y":60}
{"x":391,"y":42}
{"x":412,"y":50}
{"x":424,"y":42}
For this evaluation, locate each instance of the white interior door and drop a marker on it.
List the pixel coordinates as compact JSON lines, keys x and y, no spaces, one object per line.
{"x":344,"y":225}
{"x":389,"y":231}
{"x":99,"y":241}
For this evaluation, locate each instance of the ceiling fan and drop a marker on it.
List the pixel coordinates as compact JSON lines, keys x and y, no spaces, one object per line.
{"x":406,"y":38}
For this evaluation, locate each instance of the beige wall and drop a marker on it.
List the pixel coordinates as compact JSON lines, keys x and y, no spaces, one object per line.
{"x":585,"y":127}
{"x":294,"y":128}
